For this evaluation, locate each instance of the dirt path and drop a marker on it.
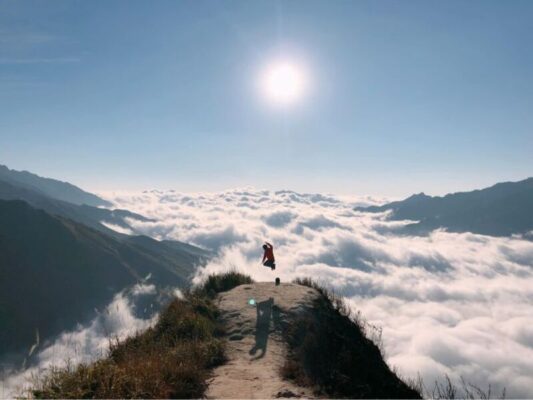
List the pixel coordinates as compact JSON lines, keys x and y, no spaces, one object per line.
{"x":255,"y":348}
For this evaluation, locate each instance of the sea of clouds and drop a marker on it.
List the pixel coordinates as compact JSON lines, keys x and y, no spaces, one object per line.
{"x":130,"y":311}
{"x":447,"y":303}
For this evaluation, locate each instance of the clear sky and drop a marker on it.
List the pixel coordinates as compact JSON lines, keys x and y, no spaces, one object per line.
{"x":403,"y":96}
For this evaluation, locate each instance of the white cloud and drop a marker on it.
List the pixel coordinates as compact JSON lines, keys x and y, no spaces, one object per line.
{"x":448,"y":303}
{"x":117,"y":228}
{"x":120,"y":319}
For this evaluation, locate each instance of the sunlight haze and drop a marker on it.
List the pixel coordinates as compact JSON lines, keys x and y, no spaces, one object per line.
{"x":387,"y":97}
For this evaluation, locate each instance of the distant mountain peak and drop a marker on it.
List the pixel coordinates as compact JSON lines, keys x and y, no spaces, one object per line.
{"x":51,"y":187}
{"x":420,"y":195}
{"x":503,"y":209}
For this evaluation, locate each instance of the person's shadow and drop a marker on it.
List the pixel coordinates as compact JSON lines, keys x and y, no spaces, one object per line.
{"x":265,"y":311}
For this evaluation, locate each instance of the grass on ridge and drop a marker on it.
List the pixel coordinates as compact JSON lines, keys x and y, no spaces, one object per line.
{"x":217,"y":283}
{"x":170,"y":360}
{"x":329,"y":349}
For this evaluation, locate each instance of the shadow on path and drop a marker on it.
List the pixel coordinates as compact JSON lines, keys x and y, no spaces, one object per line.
{"x":266,"y":310}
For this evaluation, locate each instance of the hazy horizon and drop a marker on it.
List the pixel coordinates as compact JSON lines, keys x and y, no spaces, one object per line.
{"x":110,"y":190}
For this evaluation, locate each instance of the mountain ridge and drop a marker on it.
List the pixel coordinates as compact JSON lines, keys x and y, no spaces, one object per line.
{"x":503,"y":209}
{"x":52,"y":187}
{"x":85,"y":214}
{"x":55,"y":271}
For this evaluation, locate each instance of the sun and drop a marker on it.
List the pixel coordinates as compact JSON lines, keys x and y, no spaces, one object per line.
{"x":283,"y":83}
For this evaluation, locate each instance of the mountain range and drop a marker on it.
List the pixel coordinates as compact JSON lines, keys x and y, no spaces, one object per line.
{"x":500,"y":210}
{"x":60,"y":258}
{"x":58,"y":261}
{"x":94,"y":217}
{"x":51,"y":187}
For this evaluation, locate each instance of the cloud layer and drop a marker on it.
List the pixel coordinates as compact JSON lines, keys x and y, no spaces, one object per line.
{"x":449,"y":303}
{"x":130,"y":311}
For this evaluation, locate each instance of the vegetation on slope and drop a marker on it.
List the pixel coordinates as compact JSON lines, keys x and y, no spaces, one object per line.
{"x":170,"y":360}
{"x":328,"y":349}
{"x":54,"y":261}
{"x":331,"y":350}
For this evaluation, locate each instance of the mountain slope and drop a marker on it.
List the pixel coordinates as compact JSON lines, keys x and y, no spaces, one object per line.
{"x":87,"y":215}
{"x":51,"y":187}
{"x":500,"y":210}
{"x":54,"y":271}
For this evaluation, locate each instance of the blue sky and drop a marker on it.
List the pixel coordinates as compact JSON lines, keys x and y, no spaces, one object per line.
{"x":405,"y":96}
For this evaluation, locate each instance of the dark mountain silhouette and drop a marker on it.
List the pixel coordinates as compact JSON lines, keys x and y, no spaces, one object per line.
{"x":93,"y":217}
{"x":54,"y":271}
{"x":500,"y":210}
{"x":51,"y":187}
{"x":87,"y":215}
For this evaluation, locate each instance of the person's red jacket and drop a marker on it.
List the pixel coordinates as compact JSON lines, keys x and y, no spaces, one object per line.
{"x":269,"y":253}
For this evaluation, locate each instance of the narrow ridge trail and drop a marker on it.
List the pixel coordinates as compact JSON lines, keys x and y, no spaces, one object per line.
{"x":256,"y":350}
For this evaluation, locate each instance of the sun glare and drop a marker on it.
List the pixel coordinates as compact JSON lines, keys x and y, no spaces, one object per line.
{"x":283,"y":83}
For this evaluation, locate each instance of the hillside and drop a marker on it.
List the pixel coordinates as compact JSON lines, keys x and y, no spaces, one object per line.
{"x":51,"y":187}
{"x":500,"y":210}
{"x":88,"y":215}
{"x":55,"y":271}
{"x":249,"y":350}
{"x":97,"y":218}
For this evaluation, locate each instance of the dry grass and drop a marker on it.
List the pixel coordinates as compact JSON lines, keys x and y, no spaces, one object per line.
{"x":171,"y":360}
{"x":448,"y":390}
{"x":329,"y":350}
{"x":338,"y":351}
{"x":222,"y":283}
